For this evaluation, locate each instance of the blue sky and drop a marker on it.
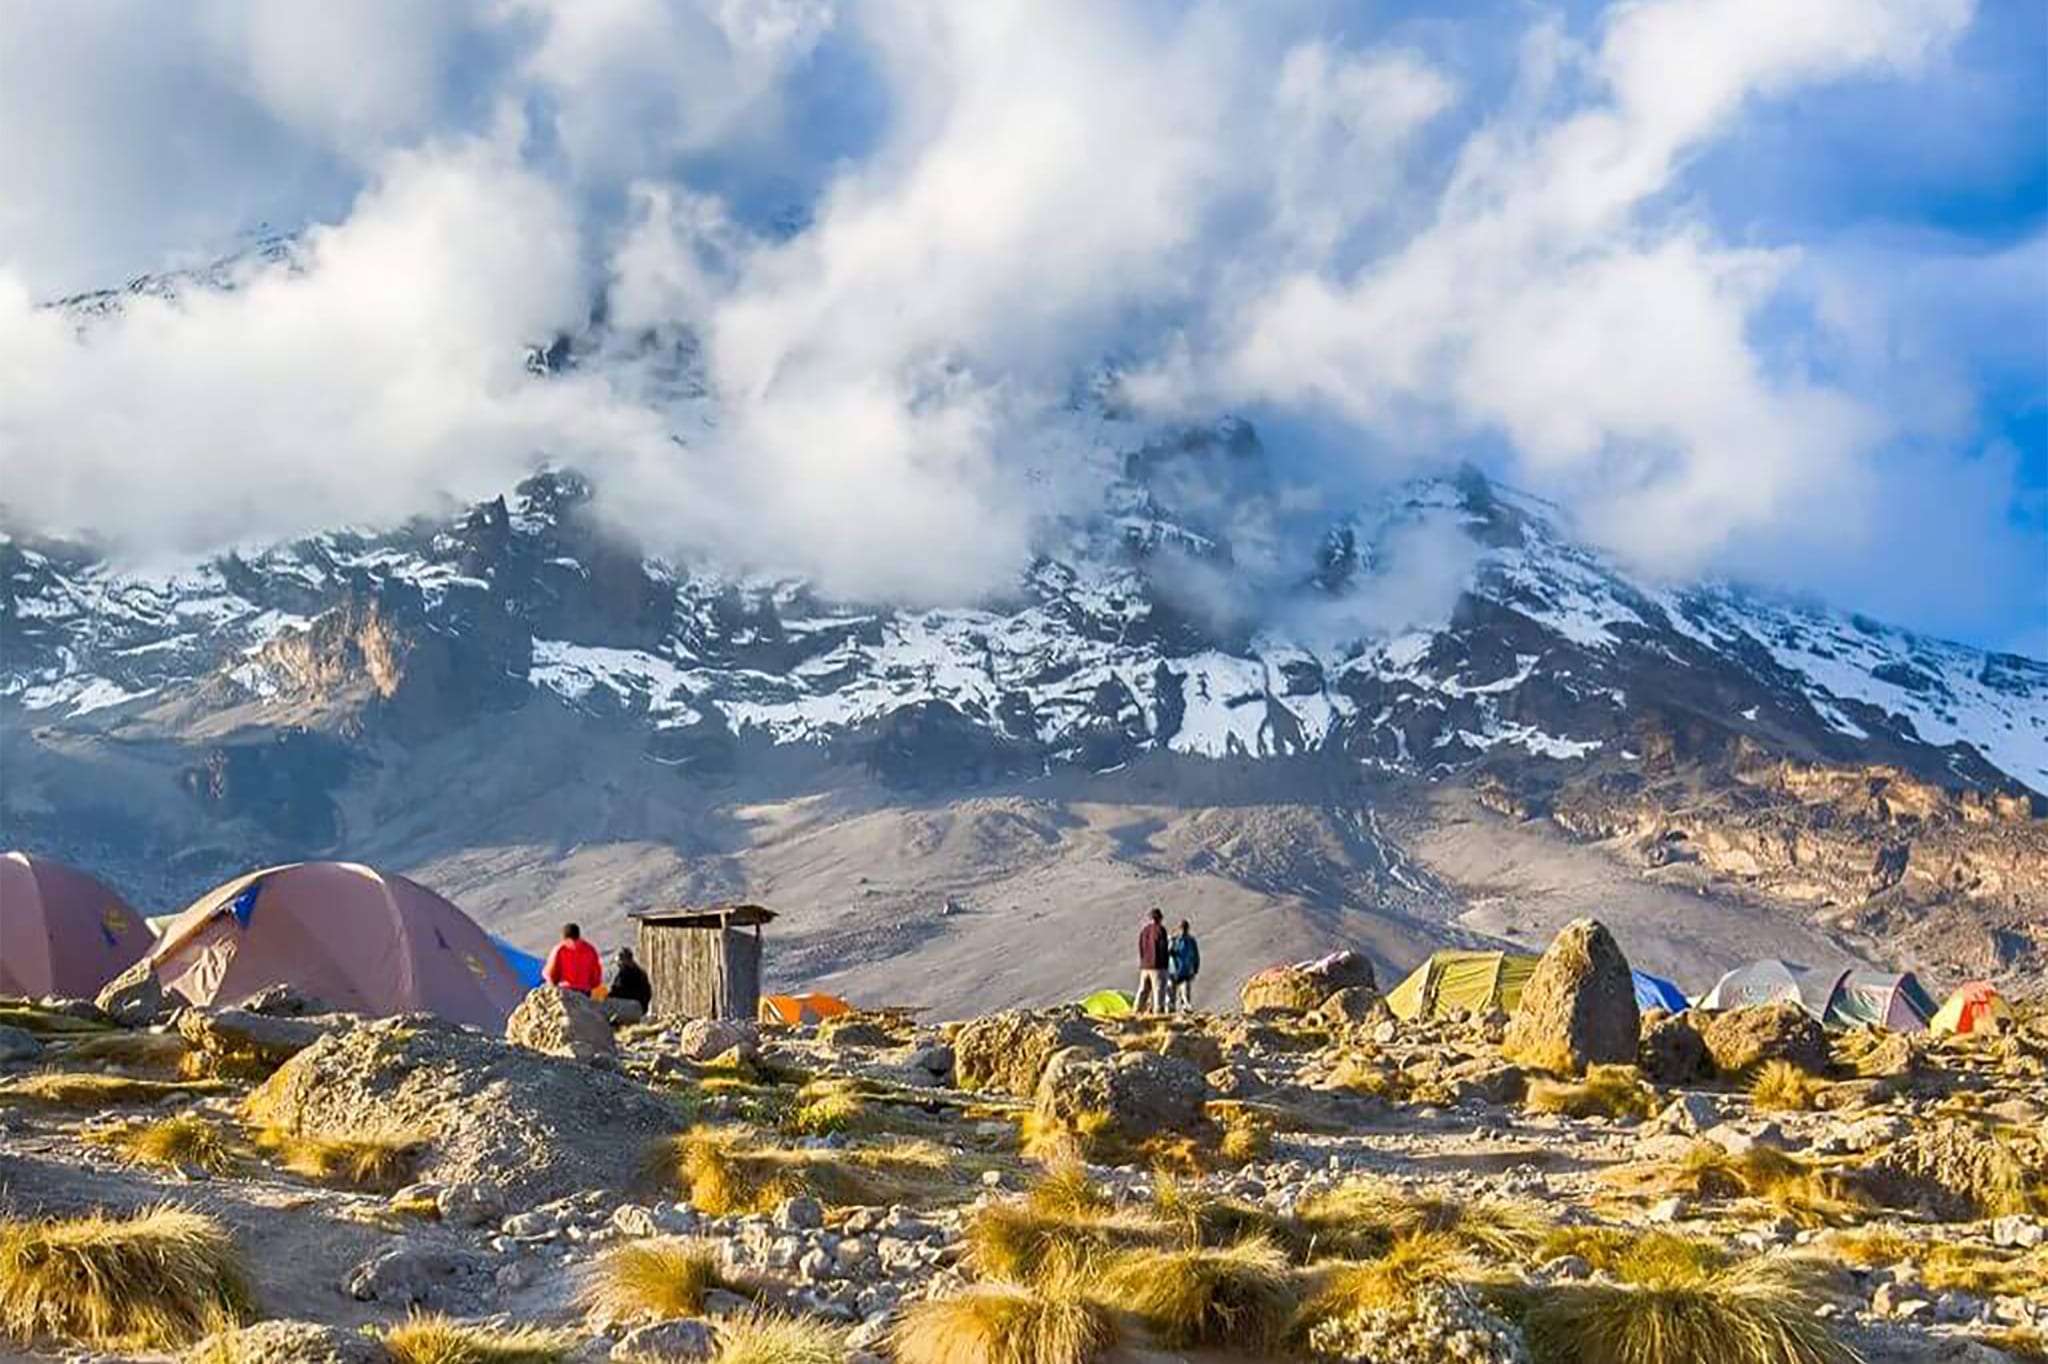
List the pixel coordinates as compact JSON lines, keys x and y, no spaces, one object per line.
{"x":1758,"y":292}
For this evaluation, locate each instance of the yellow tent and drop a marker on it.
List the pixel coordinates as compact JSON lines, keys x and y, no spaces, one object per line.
{"x":1971,"y":1007}
{"x":1108,"y":1004}
{"x":793,"y":1010}
{"x":1462,"y":981}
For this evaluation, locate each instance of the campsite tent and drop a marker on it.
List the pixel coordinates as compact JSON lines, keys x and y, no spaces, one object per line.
{"x":357,"y":938}
{"x":1972,"y":1007}
{"x":524,"y":965}
{"x":1885,"y":999}
{"x":1460,"y":981}
{"x":795,"y":1009}
{"x":62,"y":932}
{"x":1655,"y":992}
{"x":1108,"y":1004}
{"x":1771,"y":981}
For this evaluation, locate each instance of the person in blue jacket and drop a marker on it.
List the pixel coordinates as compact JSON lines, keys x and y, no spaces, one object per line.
{"x":1183,"y":964}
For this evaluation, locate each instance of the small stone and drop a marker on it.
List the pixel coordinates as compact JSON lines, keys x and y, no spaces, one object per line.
{"x":802,"y":1213}
{"x":1672,"y":1209}
{"x":1690,"y":1115}
{"x":18,"y":1044}
{"x":2019,"y":1231}
{"x":683,"y":1341}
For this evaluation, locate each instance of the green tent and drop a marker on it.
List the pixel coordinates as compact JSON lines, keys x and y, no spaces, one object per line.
{"x":1460,"y":982}
{"x":1108,"y":1004}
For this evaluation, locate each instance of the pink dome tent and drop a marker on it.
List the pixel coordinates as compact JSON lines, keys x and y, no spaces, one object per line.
{"x":62,"y":931}
{"x":359,"y":939}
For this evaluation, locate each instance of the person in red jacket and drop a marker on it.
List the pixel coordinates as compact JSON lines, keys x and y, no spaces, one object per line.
{"x":574,"y":963}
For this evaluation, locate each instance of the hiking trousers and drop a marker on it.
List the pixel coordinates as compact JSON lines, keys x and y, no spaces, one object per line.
{"x":1183,"y":996}
{"x":1152,"y":997}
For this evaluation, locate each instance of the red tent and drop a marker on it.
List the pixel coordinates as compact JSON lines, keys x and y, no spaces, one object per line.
{"x":359,"y":939}
{"x":62,"y":932}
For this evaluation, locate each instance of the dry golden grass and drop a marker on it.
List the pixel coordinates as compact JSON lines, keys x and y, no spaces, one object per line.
{"x":1050,"y":1322}
{"x":1241,"y":1294}
{"x":768,"y":1338}
{"x":90,"y":1089}
{"x":184,"y":1142}
{"x":1783,"y":1087}
{"x":660,"y":1278}
{"x":1363,"y":1218}
{"x":1986,"y":1271}
{"x":1604,"y":1092}
{"x":1088,"y":1137}
{"x":1018,"y":1242}
{"x":724,"y":1172}
{"x":1343,"y":1289}
{"x":156,"y":1279}
{"x":1808,"y":1194}
{"x":160,"y":1052}
{"x":2020,"y":1342}
{"x":32,"y":1017}
{"x":1632,"y":1256}
{"x":371,"y":1160}
{"x":1203,"y":1219}
{"x":1762,"y":1311}
{"x":440,"y":1340}
{"x":1870,"y":1247}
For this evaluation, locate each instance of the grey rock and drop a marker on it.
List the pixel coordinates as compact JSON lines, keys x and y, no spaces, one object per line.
{"x":415,"y":1276}
{"x":802,"y":1213}
{"x":18,"y":1044}
{"x":705,"y":1039}
{"x":135,"y":998}
{"x":683,"y":1341}
{"x":291,"y":1342}
{"x":561,"y":1023}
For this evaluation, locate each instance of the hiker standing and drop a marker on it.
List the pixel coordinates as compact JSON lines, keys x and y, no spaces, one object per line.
{"x":1183,"y":964}
{"x":573,"y":964}
{"x":1152,"y":966}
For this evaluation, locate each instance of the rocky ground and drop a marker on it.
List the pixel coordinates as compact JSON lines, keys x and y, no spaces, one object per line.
{"x":1321,"y":1181}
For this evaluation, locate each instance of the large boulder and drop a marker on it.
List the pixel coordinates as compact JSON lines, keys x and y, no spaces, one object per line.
{"x":135,"y":998}
{"x":1302,"y":987}
{"x":532,"y":1126}
{"x":1351,"y":1005}
{"x":1950,"y":1168}
{"x":1739,"y":1039}
{"x":1144,"y":1094}
{"x":561,"y":1023}
{"x":1579,"y":1007}
{"x":236,"y":1038}
{"x":707,"y":1039}
{"x":1009,"y":1051}
{"x":1671,"y":1051}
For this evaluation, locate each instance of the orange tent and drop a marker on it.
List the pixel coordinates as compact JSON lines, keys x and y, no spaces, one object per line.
{"x":796,"y":1009}
{"x":359,"y":939}
{"x":62,"y":932}
{"x":1973,"y":1006}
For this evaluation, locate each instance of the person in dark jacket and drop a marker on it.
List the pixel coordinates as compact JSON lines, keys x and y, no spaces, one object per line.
{"x":630,"y":982}
{"x":1183,"y":964}
{"x":1151,"y":966}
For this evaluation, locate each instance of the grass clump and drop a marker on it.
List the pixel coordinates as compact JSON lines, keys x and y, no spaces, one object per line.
{"x":161,"y":1052}
{"x":1806,"y":1193}
{"x":661,"y":1278}
{"x":1201,"y":1219}
{"x":1783,"y":1087}
{"x":1051,"y":1322}
{"x":769,"y":1338}
{"x":1410,"y":1264}
{"x":727,"y":1172}
{"x":155,"y":1279}
{"x":1241,"y":1294}
{"x":442,"y":1340}
{"x":1762,"y":1311}
{"x":1062,"y":1223}
{"x":370,"y":1160}
{"x":184,"y":1142}
{"x":1633,"y":1256}
{"x":1604,"y":1092}
{"x":1363,"y":1218}
{"x":90,"y":1089}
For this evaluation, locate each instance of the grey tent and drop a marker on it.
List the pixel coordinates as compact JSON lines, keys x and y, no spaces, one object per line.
{"x":1885,"y":999}
{"x":1770,"y":981}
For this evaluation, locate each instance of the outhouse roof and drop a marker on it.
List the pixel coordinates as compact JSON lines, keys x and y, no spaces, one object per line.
{"x":706,"y":916}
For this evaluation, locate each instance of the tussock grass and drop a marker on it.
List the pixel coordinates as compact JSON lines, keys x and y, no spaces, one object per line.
{"x":659,"y":1279}
{"x":46,"y":1023}
{"x":442,"y":1340}
{"x":1808,"y":1194}
{"x":2020,"y":1342}
{"x":186,"y":1141}
{"x":1762,"y":1311}
{"x":1088,"y":1137}
{"x":1632,"y":1256}
{"x":1051,"y":1322}
{"x":156,"y":1279}
{"x":769,"y":1338}
{"x":160,"y":1052}
{"x":1604,"y":1092}
{"x":1246,"y":1136}
{"x":1783,"y":1087}
{"x":372,"y":1160}
{"x":1346,"y":1288}
{"x":91,"y":1089}
{"x":1020,"y":1242}
{"x":824,"y":1109}
{"x":724,"y":1172}
{"x":1871,"y":1247}
{"x":1363,"y":1218}
{"x":1986,"y":1271}
{"x":1201,"y":1219}
{"x":1241,"y":1294}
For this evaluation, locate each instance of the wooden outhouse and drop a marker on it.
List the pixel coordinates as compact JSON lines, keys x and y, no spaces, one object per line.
{"x":703,"y":963}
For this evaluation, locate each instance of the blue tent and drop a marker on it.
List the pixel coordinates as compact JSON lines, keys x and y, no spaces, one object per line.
{"x":527,"y":967}
{"x":1654,"y":992}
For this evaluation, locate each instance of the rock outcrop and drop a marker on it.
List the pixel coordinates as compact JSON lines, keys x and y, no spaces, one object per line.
{"x":1143,"y":1093}
{"x":1009,"y":1051}
{"x":1738,"y":1039}
{"x":1304,"y":986}
{"x":135,"y":998}
{"x":1579,"y":1007}
{"x":561,"y":1023}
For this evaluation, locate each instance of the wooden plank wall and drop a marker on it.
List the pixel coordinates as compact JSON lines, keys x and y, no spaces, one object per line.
{"x":702,"y":972}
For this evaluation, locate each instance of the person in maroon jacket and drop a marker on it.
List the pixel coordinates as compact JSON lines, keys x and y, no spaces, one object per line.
{"x":1152,"y":997}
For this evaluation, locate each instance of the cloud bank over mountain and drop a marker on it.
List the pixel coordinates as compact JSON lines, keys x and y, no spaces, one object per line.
{"x":896,"y":236}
